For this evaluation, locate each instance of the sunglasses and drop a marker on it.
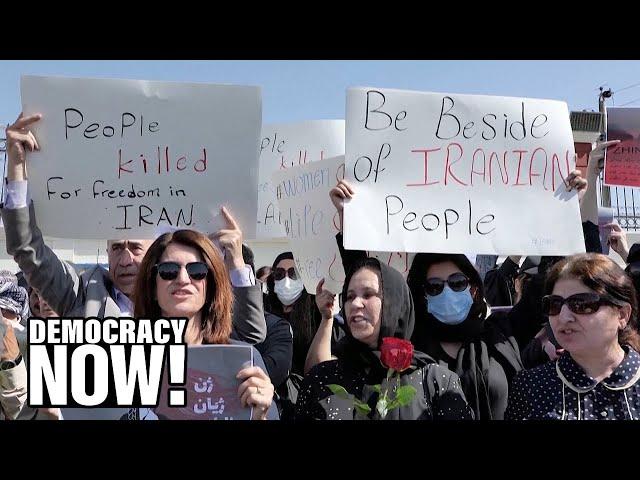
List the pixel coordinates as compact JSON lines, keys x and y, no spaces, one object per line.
{"x":171,"y":270}
{"x":456,"y":281}
{"x":280,"y":273}
{"x":580,"y":303}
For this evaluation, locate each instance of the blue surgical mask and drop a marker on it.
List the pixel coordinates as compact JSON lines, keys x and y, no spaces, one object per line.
{"x":450,"y":308}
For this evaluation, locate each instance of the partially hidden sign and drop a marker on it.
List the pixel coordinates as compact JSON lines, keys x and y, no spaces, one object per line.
{"x":124,"y":158}
{"x":211,"y":384}
{"x":285,"y":146}
{"x":622,"y":163}
{"x":311,"y":221}
{"x":452,"y":173}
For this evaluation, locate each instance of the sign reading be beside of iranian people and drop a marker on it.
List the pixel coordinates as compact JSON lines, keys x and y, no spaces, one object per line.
{"x":285,"y":146}
{"x":452,"y":173}
{"x":125,"y":158}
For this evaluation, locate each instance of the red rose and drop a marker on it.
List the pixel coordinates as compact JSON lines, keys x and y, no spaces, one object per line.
{"x":396,"y":353}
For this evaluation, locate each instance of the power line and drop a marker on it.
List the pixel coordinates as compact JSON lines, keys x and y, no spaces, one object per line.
{"x":628,"y":103}
{"x":627,"y":88}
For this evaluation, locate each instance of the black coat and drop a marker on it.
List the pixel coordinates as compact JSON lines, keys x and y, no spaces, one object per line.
{"x":277,"y":349}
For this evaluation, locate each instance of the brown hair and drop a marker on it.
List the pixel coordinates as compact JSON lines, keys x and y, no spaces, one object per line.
{"x":605,"y":277}
{"x":216,"y":313}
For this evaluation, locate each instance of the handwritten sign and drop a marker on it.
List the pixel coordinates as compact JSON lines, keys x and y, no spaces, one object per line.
{"x":285,"y":146}
{"x":622,"y":161}
{"x":122,"y":158}
{"x":452,"y":173}
{"x":311,"y":221}
{"x":212,"y":386}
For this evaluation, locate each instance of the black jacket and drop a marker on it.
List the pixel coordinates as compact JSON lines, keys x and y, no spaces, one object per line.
{"x":277,"y":349}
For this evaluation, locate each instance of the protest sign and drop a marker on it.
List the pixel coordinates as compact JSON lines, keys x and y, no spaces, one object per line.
{"x":622,"y":161}
{"x":212,"y":386}
{"x":127,"y":157}
{"x":285,"y":146}
{"x":451,"y":173}
{"x":311,"y":221}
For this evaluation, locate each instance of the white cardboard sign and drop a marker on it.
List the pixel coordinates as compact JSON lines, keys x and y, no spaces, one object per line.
{"x":125,"y":158}
{"x":455,"y":173}
{"x":311,"y":222}
{"x":285,"y":146}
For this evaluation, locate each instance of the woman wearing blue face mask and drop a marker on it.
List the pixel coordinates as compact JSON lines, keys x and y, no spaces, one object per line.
{"x":452,"y":327}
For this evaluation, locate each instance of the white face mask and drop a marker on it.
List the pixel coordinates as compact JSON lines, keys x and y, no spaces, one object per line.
{"x":288,"y":291}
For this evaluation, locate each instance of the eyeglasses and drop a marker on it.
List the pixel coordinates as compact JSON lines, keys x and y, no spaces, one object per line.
{"x":456,"y":281}
{"x":171,"y":270}
{"x":280,"y":273}
{"x":580,"y":303}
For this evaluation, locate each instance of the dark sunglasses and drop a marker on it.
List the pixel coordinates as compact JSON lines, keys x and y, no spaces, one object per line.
{"x":280,"y":273}
{"x":580,"y":303}
{"x":171,"y":270}
{"x":456,"y":281}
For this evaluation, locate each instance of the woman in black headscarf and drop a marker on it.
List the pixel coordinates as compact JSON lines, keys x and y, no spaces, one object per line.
{"x":288,"y":299}
{"x":454,"y":329}
{"x":377,"y":304}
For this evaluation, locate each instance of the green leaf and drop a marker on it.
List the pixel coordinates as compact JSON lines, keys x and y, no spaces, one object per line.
{"x":394,"y":404}
{"x":339,"y":390}
{"x":361,"y":407}
{"x":404,"y":395}
{"x":382,"y":407}
{"x":376,"y":388}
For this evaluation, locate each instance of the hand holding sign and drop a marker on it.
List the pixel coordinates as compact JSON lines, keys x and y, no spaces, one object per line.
{"x":576,"y":181}
{"x":338,"y":195}
{"x":618,"y":240}
{"x":256,"y":391}
{"x":596,"y":157}
{"x":230,"y":241}
{"x":325,"y":300}
{"x":19,"y":140}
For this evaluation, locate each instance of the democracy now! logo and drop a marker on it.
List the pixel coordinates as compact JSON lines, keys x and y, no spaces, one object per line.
{"x":115,"y":362}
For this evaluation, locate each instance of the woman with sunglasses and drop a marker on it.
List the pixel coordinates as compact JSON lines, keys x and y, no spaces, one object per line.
{"x":454,"y":329}
{"x":452,"y":325}
{"x":287,"y":298}
{"x":593,"y":311}
{"x":182,"y":275}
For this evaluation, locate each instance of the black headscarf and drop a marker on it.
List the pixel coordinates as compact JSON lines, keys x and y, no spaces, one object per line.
{"x":397,"y":318}
{"x":428,"y":327}
{"x":481,"y":340}
{"x":304,"y":317}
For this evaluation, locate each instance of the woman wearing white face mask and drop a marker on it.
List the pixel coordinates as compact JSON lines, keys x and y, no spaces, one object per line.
{"x":288,"y":299}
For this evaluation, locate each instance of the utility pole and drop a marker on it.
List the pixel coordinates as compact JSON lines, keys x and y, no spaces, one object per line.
{"x":604,"y":94}
{"x":3,"y":150}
